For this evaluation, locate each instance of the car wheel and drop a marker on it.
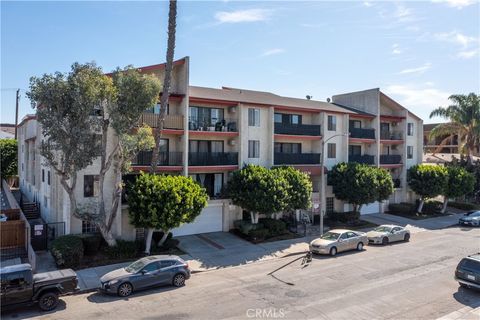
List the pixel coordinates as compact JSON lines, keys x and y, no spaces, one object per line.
{"x":178,"y":280}
{"x":333,"y":251}
{"x":385,"y":241}
{"x":463,"y":285}
{"x":125,"y":289}
{"x":407,"y":237}
{"x":360,"y":246}
{"x":48,"y":301}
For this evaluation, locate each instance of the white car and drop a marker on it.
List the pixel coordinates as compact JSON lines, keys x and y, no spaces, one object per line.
{"x":471,"y":218}
{"x":387,"y":233}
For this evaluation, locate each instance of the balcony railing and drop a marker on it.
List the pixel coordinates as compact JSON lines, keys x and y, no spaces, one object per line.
{"x":220,"y":125}
{"x":391,"y":135}
{"x":144,"y":158}
{"x":362,"y":133}
{"x":212,"y":158}
{"x":297,"y":129}
{"x":296,"y":158}
{"x":366,"y":159}
{"x":171,"y":121}
{"x":390,"y":159}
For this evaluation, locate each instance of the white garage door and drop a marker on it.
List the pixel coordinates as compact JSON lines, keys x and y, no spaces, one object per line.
{"x":210,"y":220}
{"x":370,"y":208}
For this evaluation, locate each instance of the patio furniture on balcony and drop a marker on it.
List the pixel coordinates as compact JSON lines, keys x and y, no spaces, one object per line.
{"x":217,"y":125}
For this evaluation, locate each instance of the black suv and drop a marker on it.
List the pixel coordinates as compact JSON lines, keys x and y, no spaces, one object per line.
{"x":468,"y":272}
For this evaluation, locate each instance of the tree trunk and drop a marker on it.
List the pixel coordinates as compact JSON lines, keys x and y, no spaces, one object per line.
{"x":164,"y":237}
{"x":420,"y":206}
{"x":148,"y":241}
{"x":445,"y":203}
{"x":172,"y":24}
{"x":252,"y":217}
{"x":106,"y":234}
{"x":359,"y":208}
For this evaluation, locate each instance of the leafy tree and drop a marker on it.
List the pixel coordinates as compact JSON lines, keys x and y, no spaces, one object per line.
{"x":258,"y":190}
{"x":464,"y":120}
{"x":427,"y":181}
{"x":8,"y":158}
{"x":360,"y":184}
{"x":160,"y":202}
{"x":460,"y":182}
{"x":474,"y":168}
{"x":299,"y":188}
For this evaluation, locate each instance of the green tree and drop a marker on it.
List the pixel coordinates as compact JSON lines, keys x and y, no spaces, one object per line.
{"x":464,"y":120}
{"x":8,"y":158}
{"x":258,"y":190}
{"x":474,"y":168}
{"x":160,"y":202}
{"x":460,"y":182}
{"x":427,"y":181}
{"x":299,"y":188}
{"x":360,"y":184}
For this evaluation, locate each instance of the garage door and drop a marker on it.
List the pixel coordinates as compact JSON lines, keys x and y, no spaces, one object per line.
{"x":370,"y":208}
{"x":210,"y":220}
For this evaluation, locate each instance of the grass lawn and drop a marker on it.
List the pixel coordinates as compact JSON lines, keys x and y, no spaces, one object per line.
{"x":417,"y":216}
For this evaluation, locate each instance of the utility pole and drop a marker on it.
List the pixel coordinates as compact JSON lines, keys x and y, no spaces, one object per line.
{"x":16,"y":112}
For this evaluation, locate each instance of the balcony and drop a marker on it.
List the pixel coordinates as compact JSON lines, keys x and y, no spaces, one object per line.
{"x":390,"y":159}
{"x":391,"y":135}
{"x":296,"y":158}
{"x":297,"y":129}
{"x":171,"y":121}
{"x":214,"y":125}
{"x":144,"y":158}
{"x":362,"y":133}
{"x":212,"y":158}
{"x":366,"y":159}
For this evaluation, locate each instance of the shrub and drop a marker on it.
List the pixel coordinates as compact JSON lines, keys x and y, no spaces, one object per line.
{"x":274,"y":227}
{"x":91,"y":243}
{"x":344,"y":217}
{"x":157,"y":236}
{"x":463,"y":205}
{"x":258,"y":234}
{"x":431,"y":207}
{"x":124,"y":249}
{"x":403,"y":207}
{"x":67,"y":251}
{"x":245,"y":226}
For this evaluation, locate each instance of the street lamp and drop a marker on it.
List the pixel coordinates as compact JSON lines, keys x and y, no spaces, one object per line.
{"x":322,"y":184}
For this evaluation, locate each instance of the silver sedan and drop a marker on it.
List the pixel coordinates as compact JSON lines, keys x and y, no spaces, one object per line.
{"x":338,"y":240}
{"x":387,"y":233}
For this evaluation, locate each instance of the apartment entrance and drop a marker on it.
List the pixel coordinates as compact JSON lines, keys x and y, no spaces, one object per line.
{"x":42,"y":234}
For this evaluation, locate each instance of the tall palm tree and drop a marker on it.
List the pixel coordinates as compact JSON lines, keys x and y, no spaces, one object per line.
{"x":464,"y":117}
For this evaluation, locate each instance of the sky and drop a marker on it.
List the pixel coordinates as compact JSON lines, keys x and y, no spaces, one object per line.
{"x":417,"y":52}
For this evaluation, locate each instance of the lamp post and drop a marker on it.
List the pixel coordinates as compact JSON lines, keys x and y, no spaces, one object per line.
{"x":322,"y":183}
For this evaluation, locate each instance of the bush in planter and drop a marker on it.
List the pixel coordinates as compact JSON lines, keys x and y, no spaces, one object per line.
{"x":67,"y":251}
{"x":124,"y":249}
{"x":258,"y":234}
{"x":274,"y":227}
{"x":463,"y":205}
{"x":245,"y":226}
{"x":91,"y":243}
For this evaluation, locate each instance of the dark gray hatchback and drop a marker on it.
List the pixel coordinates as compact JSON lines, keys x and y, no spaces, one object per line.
{"x":145,"y":273}
{"x":468,"y":272}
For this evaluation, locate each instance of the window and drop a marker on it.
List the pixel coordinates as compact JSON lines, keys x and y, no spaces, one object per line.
{"x":205,"y":146}
{"x":13,"y":280}
{"x":254,"y":117}
{"x":43,"y":175}
{"x":356,"y":124}
{"x":167,"y":263}
{"x":212,"y":182}
{"x":90,"y":186}
{"x":332,"y":123}
{"x":88,"y":227}
{"x":354,"y":150}
{"x":409,"y":152}
{"x":48,"y":177}
{"x":277,"y":118}
{"x":331,"y":150}
{"x":296,"y":119}
{"x":344,"y":236}
{"x":203,"y":118}
{"x":410,"y":129}
{"x":288,"y":118}
{"x":151,"y":267}
{"x":280,"y":147}
{"x":253,"y":148}
{"x":329,"y":204}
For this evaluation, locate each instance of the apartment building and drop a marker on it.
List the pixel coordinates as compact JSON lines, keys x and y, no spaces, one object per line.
{"x":211,"y":132}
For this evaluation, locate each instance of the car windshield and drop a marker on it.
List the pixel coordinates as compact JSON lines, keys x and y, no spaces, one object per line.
{"x":382,"y":229}
{"x":330,"y":236}
{"x":473,"y":214}
{"x":136,"y":266}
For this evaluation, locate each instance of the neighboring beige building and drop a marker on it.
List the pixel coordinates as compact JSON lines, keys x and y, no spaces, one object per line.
{"x":434,"y":145}
{"x":211,"y":132}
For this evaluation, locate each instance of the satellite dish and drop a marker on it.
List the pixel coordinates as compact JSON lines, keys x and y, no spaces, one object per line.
{"x":309,"y":97}
{"x":328,"y":99}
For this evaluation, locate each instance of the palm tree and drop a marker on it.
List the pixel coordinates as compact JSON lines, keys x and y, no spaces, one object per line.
{"x":464,"y":117}
{"x":172,"y":25}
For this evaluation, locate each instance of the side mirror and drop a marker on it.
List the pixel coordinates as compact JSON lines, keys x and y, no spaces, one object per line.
{"x":143,"y":271}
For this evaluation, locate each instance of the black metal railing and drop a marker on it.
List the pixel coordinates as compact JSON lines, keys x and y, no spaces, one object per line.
{"x":397,"y":183}
{"x":391,"y":135}
{"x":203,"y":124}
{"x":144,"y":158}
{"x":362,"y":133}
{"x":297,"y":129}
{"x":296,"y":158}
{"x":390,"y":159}
{"x":212,"y":158}
{"x":367,"y":159}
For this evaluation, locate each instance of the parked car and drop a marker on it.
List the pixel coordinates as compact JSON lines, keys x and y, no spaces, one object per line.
{"x":145,"y":273}
{"x":468,"y":272}
{"x":20,"y":287}
{"x":338,"y":240}
{"x":387,"y":233}
{"x":471,"y":218}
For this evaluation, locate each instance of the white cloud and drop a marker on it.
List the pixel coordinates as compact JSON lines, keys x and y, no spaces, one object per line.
{"x":272,"y":52}
{"x":403,"y":14}
{"x":467,"y":54}
{"x":456,"y":37}
{"x":250,"y":15}
{"x":418,"y":70}
{"x":367,"y":3}
{"x":396,"y":49}
{"x":459,"y":4}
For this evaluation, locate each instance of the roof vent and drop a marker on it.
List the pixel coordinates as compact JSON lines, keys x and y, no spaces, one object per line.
{"x":309,"y":97}
{"x":328,"y":100}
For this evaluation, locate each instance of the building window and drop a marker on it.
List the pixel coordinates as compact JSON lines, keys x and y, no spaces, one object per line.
{"x":329,"y":205}
{"x":355,"y":124}
{"x":43,"y":175}
{"x":354,"y":150}
{"x":331,"y":150}
{"x":45,"y":202}
{"x":48,"y":177}
{"x":90,"y":186}
{"x":332,"y":123}
{"x":212,"y":182}
{"x":409,"y":152}
{"x":283,"y":147}
{"x":410,"y":129}
{"x":88,"y":227}
{"x":254,"y":117}
{"x":253,"y":148}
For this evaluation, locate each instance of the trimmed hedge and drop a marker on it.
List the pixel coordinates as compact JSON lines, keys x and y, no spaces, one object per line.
{"x":463,"y":205}
{"x":246,"y":226}
{"x":258,"y":234}
{"x":124,"y":249}
{"x":403,"y":207}
{"x":91,"y":243}
{"x":67,"y":251}
{"x":274,"y":227}
{"x":430,"y":207}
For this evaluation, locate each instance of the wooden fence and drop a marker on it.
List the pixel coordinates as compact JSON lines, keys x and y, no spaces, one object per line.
{"x":12,"y":234}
